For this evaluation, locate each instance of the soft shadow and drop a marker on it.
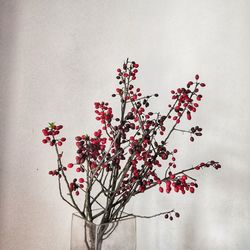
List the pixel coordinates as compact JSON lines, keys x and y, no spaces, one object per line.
{"x":8,"y":39}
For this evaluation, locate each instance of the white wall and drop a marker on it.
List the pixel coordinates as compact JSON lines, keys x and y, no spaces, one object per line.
{"x":58,"y":57}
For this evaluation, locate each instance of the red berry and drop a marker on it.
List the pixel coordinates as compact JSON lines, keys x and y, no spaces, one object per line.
{"x":197,"y":77}
{"x":45,"y":132}
{"x":161,"y":189}
{"x":81,"y":180}
{"x":71,"y":186}
{"x":191,"y":189}
{"x":198,"y":98}
{"x":70,"y":165}
{"x":184,"y":177}
{"x":59,"y":127}
{"x":63,"y":139}
{"x":217,"y":166}
{"x":78,"y":170}
{"x":172,"y":176}
{"x":59,"y":143}
{"x":44,"y":141}
{"x":168,"y":183}
{"x":159,"y":181}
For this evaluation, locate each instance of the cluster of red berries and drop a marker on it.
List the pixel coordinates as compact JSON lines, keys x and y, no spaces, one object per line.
{"x":104,"y":114}
{"x":172,"y":163}
{"x":56,"y":172}
{"x":50,"y":133}
{"x":213,"y":164}
{"x":76,"y":185}
{"x":144,"y":180}
{"x":184,"y":100}
{"x":129,"y":70}
{"x":90,"y":148}
{"x":178,"y":183}
{"x":134,"y":94}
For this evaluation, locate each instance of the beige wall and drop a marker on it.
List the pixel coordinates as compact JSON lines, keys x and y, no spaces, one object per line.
{"x":58,"y":57}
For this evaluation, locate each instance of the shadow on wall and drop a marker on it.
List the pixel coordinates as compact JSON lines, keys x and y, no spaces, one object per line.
{"x":8,"y":38}
{"x":189,"y":233}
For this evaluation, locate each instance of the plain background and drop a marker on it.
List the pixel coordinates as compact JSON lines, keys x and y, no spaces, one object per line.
{"x":58,"y":57}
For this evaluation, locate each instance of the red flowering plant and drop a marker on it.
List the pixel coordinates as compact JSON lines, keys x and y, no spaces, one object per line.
{"x":129,"y":154}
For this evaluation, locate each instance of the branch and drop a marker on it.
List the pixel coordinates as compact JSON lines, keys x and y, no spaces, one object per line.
{"x":147,"y":217}
{"x":66,"y":180}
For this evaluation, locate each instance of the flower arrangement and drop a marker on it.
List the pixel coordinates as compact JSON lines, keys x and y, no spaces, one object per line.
{"x":129,"y":154}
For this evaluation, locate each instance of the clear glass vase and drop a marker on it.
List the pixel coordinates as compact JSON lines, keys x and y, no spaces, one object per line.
{"x":120,"y":235}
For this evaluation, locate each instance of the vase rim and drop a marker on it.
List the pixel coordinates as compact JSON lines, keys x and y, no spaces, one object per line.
{"x":98,"y":224}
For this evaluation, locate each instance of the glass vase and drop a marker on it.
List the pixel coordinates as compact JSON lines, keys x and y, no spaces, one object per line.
{"x":119,"y":235}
